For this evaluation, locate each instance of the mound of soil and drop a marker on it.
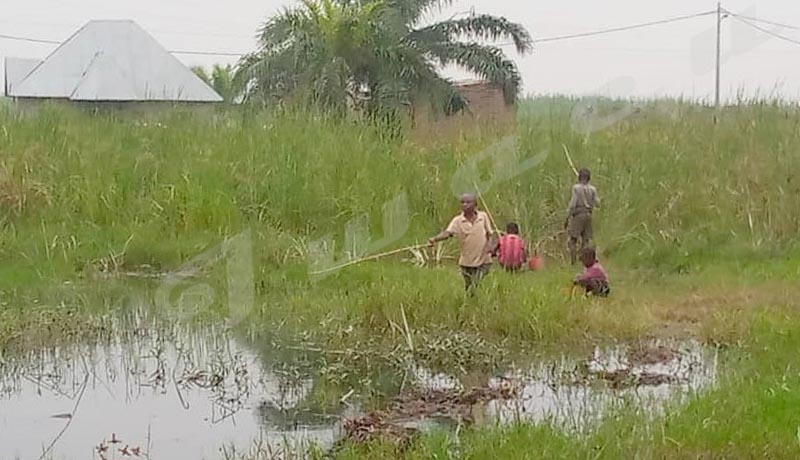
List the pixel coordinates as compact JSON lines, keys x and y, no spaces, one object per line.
{"x":448,"y":403}
{"x":377,"y":426}
{"x":420,"y":404}
{"x":623,"y":378}
{"x":652,"y":355}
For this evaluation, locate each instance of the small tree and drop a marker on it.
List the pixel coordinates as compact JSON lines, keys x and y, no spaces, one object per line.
{"x":221,"y":79}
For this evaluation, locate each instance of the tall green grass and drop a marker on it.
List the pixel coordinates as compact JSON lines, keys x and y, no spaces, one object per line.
{"x":678,"y":190}
{"x":681,"y":194}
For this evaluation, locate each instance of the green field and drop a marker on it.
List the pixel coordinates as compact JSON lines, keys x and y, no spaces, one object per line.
{"x":697,"y":228}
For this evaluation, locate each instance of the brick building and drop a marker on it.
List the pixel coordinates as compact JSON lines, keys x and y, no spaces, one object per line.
{"x":487,"y":109}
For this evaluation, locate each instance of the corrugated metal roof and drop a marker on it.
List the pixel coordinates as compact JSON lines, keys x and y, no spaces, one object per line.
{"x":113,"y":61}
{"x":16,"y":69}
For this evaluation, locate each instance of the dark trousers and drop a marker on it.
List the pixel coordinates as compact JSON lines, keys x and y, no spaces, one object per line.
{"x":473,"y":276}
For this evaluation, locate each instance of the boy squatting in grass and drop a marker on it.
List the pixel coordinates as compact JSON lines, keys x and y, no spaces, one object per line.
{"x":594,"y":278}
{"x":476,"y":237}
{"x":579,"y":214}
{"x":511,"y":253}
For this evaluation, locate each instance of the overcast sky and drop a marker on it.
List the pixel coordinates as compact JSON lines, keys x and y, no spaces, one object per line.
{"x":674,"y":59}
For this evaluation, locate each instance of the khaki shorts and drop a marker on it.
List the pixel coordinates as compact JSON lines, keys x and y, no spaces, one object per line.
{"x":580,"y":226}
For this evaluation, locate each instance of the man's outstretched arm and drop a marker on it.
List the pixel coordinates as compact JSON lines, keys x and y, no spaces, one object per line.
{"x":445,"y":235}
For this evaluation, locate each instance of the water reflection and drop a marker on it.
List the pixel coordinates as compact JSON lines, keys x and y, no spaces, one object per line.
{"x":172,"y":394}
{"x":575,"y":395}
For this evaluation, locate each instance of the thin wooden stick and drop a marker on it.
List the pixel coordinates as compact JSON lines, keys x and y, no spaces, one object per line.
{"x":486,"y":208}
{"x":408,"y":331}
{"x":569,"y":159}
{"x":366,"y":259}
{"x":572,"y":292}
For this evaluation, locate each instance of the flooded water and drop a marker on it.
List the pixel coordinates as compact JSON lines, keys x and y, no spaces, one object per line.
{"x":197,"y":395}
{"x":573,"y":395}
{"x":185,"y":398}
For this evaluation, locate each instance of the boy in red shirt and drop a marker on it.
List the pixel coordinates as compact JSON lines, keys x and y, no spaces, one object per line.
{"x":511,"y":249}
{"x":594,"y":279}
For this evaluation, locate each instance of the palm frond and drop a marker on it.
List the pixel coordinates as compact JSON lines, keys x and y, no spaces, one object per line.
{"x":413,"y":11}
{"x":485,"y":27}
{"x":261,"y":76}
{"x":281,"y":28}
{"x":488,"y":62}
{"x":200,"y":71}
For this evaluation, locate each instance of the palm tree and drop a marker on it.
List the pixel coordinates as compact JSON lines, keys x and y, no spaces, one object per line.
{"x":377,"y":55}
{"x":200,"y":71}
{"x":221,"y":79}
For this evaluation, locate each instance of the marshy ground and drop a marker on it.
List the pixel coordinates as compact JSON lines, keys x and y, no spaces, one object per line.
{"x":121,"y":335}
{"x":351,"y":379}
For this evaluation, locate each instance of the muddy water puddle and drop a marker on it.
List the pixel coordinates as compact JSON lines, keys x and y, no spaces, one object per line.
{"x":574,"y":395}
{"x":570,"y":394}
{"x":197,"y":395}
{"x":150,"y":397}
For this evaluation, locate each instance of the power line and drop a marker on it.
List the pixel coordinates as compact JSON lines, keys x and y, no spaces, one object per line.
{"x":28,"y":39}
{"x":743,"y":18}
{"x":74,"y":26}
{"x":199,"y":34}
{"x":614,"y":29}
{"x":623,"y":28}
{"x":539,"y":40}
{"x":56,"y":42}
{"x":772,"y":23}
{"x":206,"y":53}
{"x":762,"y":29}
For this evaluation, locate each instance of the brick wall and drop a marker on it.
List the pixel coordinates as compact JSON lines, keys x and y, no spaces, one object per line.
{"x":487,"y":111}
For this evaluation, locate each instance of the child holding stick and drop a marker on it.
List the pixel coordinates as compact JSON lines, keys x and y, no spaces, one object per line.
{"x":579,"y":214}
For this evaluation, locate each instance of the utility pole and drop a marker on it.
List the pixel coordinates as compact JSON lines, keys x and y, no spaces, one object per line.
{"x":719,"y":46}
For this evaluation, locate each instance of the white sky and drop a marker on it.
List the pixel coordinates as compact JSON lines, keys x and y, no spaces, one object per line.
{"x":674,"y":59}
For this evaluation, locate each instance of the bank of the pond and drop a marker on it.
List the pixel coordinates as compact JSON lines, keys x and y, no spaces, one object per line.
{"x":695,"y":225}
{"x":378,"y":307}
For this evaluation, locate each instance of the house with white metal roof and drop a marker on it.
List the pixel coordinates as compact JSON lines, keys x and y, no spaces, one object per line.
{"x":107,"y":62}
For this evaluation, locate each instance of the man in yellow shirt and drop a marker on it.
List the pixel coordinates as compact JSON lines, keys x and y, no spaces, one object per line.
{"x":477,"y":239}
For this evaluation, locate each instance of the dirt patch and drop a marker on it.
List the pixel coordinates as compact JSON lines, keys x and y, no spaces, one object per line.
{"x":377,"y":426}
{"x":617,"y":379}
{"x":648,"y":379}
{"x":692,"y":313}
{"x":391,"y":426}
{"x":451,"y":404}
{"x":652,"y":355}
{"x":624,"y":378}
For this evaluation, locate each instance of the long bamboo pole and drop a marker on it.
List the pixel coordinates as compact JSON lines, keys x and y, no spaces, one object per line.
{"x":486,"y":208}
{"x":366,"y":259}
{"x":569,"y":159}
